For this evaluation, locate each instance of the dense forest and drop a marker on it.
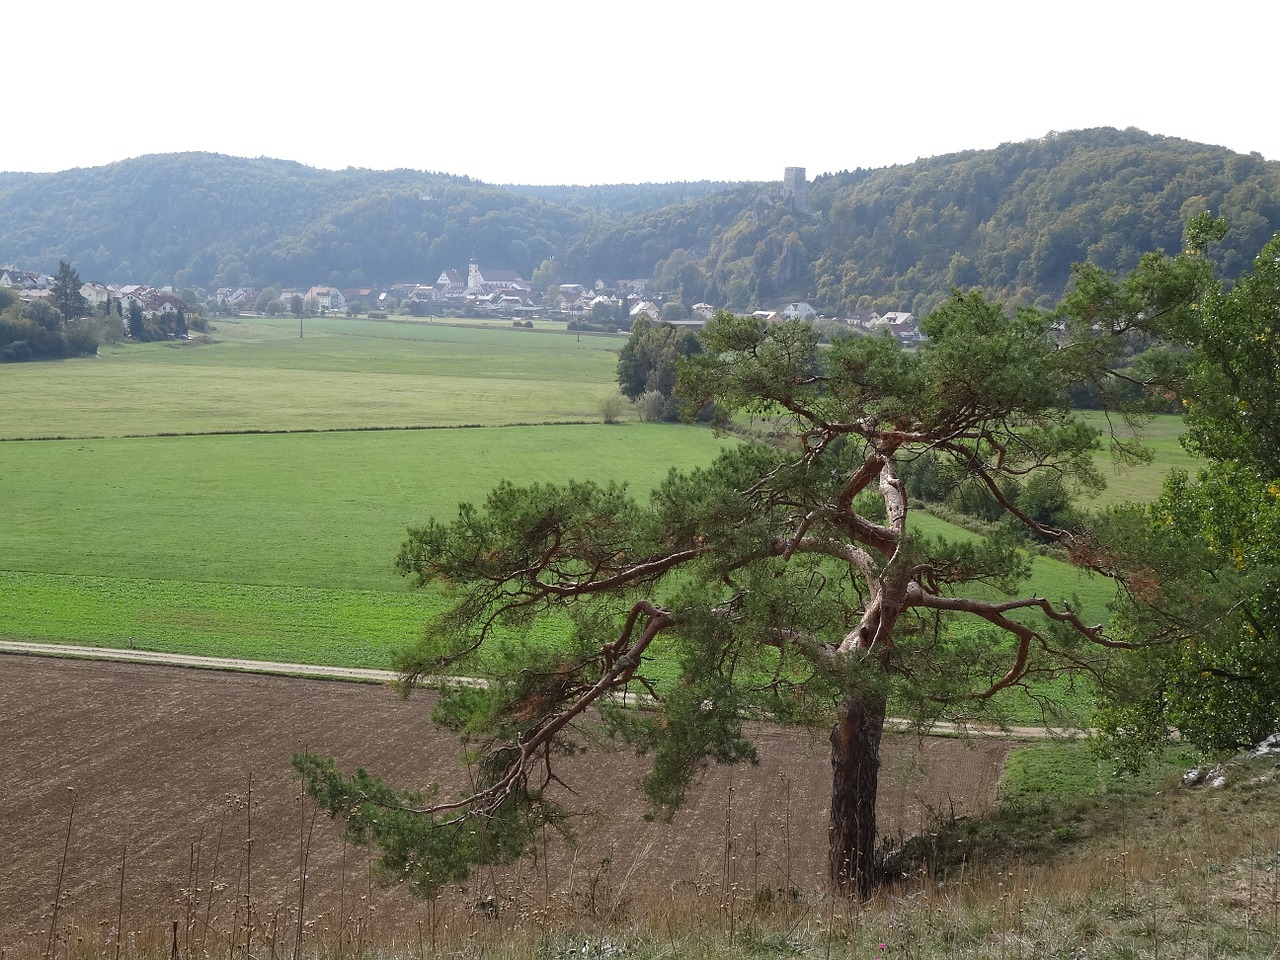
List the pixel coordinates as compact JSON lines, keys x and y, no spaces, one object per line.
{"x":1011,"y":220}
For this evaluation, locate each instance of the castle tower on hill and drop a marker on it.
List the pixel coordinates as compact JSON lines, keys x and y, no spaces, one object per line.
{"x":794,"y":188}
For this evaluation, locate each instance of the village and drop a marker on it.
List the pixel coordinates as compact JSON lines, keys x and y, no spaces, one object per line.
{"x":481,"y":291}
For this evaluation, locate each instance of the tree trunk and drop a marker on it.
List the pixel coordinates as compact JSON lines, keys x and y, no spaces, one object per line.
{"x":855,"y":770}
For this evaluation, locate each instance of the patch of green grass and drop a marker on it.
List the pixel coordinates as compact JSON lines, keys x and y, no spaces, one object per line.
{"x":355,"y":628}
{"x":315,"y":510}
{"x":1141,"y":482}
{"x":1064,"y":772}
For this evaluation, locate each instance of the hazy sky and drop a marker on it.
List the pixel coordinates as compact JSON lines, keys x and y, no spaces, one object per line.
{"x":569,"y":91}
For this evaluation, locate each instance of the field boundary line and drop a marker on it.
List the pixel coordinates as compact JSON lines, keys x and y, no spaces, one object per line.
{"x":369,"y":675}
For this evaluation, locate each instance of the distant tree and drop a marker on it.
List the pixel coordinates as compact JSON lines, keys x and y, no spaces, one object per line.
{"x":66,"y":292}
{"x":674,"y":310}
{"x":137,"y":326}
{"x":274,"y":307}
{"x":43,"y":313}
{"x":546,"y":275}
{"x":653,"y":407}
{"x":81,"y":336}
{"x":24,"y":339}
{"x":612,"y":407}
{"x":296,"y":306}
{"x":264,"y":298}
{"x":647,"y":362}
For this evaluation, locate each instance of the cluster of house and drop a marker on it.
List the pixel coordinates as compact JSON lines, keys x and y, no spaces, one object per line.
{"x":488,"y":290}
{"x":501,"y":292}
{"x":506,"y":293}
{"x":24,"y":283}
{"x":152,"y":302}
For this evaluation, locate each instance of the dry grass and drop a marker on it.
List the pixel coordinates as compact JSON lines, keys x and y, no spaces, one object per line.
{"x":1178,"y":873}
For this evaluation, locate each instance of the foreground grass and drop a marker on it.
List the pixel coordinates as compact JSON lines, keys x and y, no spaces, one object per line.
{"x":1148,"y":870}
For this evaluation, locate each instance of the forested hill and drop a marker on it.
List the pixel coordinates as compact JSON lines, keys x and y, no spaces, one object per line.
{"x":1011,"y":220}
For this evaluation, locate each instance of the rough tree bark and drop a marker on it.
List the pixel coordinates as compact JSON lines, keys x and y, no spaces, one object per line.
{"x":855,"y":770}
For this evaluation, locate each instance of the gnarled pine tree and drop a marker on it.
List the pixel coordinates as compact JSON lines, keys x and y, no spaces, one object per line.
{"x":782,"y":581}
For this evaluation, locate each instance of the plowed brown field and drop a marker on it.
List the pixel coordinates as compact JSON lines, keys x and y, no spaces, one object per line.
{"x":172,"y":771}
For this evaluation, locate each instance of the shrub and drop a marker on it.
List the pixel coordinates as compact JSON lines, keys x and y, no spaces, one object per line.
{"x":653,"y":407}
{"x":612,"y":408}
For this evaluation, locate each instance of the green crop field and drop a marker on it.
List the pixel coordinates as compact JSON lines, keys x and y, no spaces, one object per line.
{"x":280,"y":545}
{"x":314,"y":509}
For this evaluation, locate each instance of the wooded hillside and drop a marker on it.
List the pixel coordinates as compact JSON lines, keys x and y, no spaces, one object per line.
{"x":1011,"y":220}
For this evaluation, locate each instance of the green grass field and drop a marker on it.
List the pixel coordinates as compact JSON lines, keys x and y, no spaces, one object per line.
{"x":343,"y":374}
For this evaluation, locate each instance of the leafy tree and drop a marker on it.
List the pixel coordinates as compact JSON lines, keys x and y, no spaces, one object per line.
{"x":783,"y":580}
{"x":24,"y":339}
{"x":1202,"y":563}
{"x":674,"y":310}
{"x":296,"y":305}
{"x":66,"y":292}
{"x":647,"y":362}
{"x":612,"y":407}
{"x":44,"y":314}
{"x":265,"y":298}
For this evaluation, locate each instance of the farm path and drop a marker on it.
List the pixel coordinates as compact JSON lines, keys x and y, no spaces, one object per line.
{"x":366,"y":675}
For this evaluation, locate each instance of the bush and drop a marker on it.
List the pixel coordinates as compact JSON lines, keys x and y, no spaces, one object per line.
{"x":653,"y":407}
{"x":612,"y":408}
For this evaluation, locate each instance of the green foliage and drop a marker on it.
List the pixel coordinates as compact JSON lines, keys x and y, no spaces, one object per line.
{"x":425,"y":853}
{"x":66,"y":292}
{"x":41,"y":330}
{"x":647,"y":362}
{"x":1201,"y":563}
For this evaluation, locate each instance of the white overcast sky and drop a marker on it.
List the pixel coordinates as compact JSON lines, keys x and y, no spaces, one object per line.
{"x":570,"y":91}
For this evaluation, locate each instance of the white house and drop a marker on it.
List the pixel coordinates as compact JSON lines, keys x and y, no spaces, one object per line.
{"x":329,"y":299}
{"x":799,"y":311}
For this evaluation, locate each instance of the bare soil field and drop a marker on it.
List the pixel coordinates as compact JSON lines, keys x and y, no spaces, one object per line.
{"x":138,"y":797}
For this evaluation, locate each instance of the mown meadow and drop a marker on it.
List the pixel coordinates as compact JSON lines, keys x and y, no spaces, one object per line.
{"x":246,"y":497}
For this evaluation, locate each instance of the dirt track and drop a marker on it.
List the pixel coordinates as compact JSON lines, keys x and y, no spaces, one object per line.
{"x":161,"y":762}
